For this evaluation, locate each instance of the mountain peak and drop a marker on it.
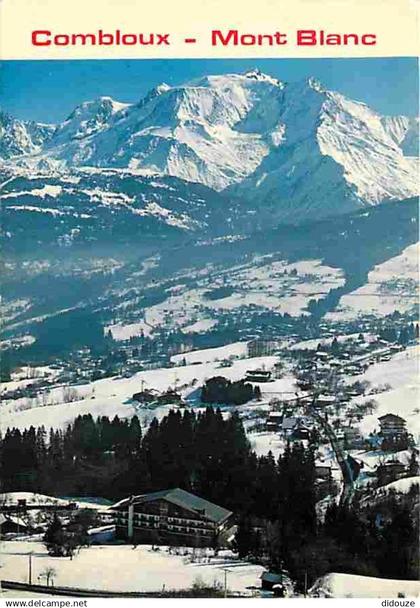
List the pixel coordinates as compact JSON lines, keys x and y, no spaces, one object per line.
{"x":156,"y":91}
{"x":297,"y":146}
{"x":162,"y":88}
{"x":103,"y":103}
{"x":256,"y":74}
{"x":315,"y":84}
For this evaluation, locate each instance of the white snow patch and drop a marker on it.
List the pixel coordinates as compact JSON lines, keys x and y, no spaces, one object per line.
{"x":140,"y":570}
{"x":354,"y":585}
{"x":199,"y":326}
{"x":391,"y":286}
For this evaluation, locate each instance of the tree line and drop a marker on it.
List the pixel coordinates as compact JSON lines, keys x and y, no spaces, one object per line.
{"x":205,"y":453}
{"x":275,"y":501}
{"x":221,"y":390}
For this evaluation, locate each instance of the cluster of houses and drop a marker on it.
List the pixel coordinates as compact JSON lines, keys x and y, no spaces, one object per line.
{"x":154,"y":397}
{"x":325,"y":392}
{"x":23,"y":516}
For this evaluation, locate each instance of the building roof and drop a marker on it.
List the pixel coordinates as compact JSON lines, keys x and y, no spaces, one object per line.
{"x":392,"y":463}
{"x":391,"y":416}
{"x":326,"y":399}
{"x":289,"y":424}
{"x":14,"y":520}
{"x":183,"y":499}
{"x":271,"y":577}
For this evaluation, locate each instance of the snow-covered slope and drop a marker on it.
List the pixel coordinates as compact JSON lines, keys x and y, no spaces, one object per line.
{"x":297,"y":150}
{"x":354,"y":585}
{"x":87,"y":119}
{"x":335,"y":155}
{"x":209,"y":131}
{"x":19,"y":137}
{"x":405,"y":132}
{"x":73,"y":208}
{"x":391,"y":286}
{"x":397,"y":383}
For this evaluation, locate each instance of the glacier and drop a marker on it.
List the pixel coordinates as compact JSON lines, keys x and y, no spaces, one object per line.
{"x":296,"y":151}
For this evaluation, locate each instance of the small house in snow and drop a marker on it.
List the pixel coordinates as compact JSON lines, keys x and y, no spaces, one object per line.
{"x":274,"y":421}
{"x":392,"y":425}
{"x":258,"y":375}
{"x":10,"y":524}
{"x":289,"y":424}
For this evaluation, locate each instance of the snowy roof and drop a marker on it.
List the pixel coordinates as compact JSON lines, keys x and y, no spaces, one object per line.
{"x":391,"y":416}
{"x":289,"y":423}
{"x":392,"y":463}
{"x":271,"y":577}
{"x":15,"y":520}
{"x":326,"y":398}
{"x":183,"y":499}
{"x":109,"y":528}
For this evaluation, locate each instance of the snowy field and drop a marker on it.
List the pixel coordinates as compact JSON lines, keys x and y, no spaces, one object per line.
{"x":123,"y":332}
{"x":374,"y":458}
{"x":28,"y":375}
{"x":12,"y":498}
{"x":401,"y":373}
{"x":353,"y":585}
{"x":110,"y":396}
{"x":401,"y":485}
{"x":138,"y":570}
{"x":391,"y":286}
{"x":261,"y":283}
{"x":313,"y":344}
{"x":236,"y":349}
{"x":265,"y":442}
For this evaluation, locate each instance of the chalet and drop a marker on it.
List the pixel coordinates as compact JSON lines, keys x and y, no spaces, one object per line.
{"x":396,"y":347}
{"x":274,"y":421}
{"x":269,"y":579}
{"x":301,"y":433}
{"x":392,"y":425}
{"x":144,"y":396}
{"x":324,"y":400}
{"x":350,"y":438}
{"x":172,"y":517}
{"x":322,"y":355}
{"x":390,"y":471}
{"x":323,"y":471}
{"x":101,"y":535}
{"x":258,"y":375}
{"x":305,"y":385}
{"x":169,"y":396}
{"x":289,"y":424}
{"x":13,"y":525}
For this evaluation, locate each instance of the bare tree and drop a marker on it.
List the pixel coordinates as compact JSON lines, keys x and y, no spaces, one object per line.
{"x":49,"y":574}
{"x":70,"y":394}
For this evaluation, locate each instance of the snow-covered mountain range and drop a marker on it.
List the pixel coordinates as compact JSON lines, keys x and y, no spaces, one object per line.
{"x":87,"y":207}
{"x":294,"y":151}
